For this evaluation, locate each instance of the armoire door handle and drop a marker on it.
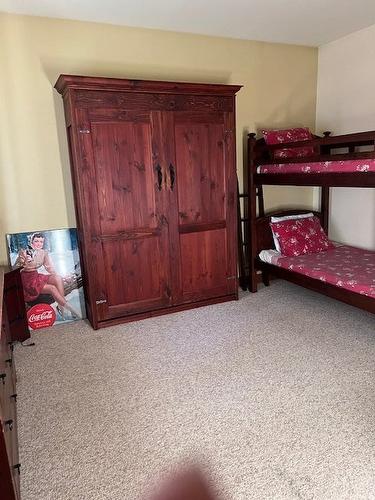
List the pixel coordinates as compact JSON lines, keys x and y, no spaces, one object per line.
{"x":160,"y":176}
{"x":172,"y":175}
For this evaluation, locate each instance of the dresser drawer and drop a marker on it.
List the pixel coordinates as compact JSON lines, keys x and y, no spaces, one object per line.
{"x":8,"y":429}
{"x":7,"y":376}
{"x":8,"y":479}
{"x":14,"y":451}
{"x":10,"y":460}
{"x":5,"y":345}
{"x":9,"y":416}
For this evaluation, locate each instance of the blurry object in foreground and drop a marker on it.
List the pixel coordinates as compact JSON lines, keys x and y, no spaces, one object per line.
{"x":189,"y":485}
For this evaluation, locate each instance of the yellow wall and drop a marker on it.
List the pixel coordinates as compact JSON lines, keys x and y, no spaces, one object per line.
{"x":35,"y":190}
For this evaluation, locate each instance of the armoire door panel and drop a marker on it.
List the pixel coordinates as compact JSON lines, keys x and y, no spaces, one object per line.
{"x":133,"y":234}
{"x":203,"y":255}
{"x":200,"y":149}
{"x":135,"y":273}
{"x":202,"y":172}
{"x":125,"y":176}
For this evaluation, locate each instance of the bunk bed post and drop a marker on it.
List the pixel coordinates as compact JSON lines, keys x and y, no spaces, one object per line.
{"x":260,"y":200}
{"x":324,"y":207}
{"x":252,"y":193}
{"x":324,"y":149}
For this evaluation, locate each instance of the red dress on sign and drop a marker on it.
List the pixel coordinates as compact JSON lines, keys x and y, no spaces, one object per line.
{"x":33,"y":281}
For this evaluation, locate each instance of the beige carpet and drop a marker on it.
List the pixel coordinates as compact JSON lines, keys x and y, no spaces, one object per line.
{"x":274,"y":395}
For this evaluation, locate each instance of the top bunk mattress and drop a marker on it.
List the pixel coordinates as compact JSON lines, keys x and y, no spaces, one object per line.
{"x":320,"y":167}
{"x":344,"y":266}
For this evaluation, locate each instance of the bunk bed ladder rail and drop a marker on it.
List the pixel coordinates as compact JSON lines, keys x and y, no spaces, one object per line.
{"x":254,"y":193}
{"x":244,"y":229}
{"x":242,"y":238}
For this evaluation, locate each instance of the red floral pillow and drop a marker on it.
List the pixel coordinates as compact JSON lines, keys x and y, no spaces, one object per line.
{"x":301,"y":236}
{"x":289,"y":135}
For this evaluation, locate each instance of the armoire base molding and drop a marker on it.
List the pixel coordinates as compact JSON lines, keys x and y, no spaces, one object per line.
{"x":162,"y":312}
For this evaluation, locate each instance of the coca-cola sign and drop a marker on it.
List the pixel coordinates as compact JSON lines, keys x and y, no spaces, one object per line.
{"x":41,"y":316}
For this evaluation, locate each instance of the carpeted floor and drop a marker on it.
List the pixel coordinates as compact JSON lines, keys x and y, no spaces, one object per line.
{"x":273,"y":395}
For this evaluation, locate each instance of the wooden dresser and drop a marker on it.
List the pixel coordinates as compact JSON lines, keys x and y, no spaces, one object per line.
{"x":13,"y":328}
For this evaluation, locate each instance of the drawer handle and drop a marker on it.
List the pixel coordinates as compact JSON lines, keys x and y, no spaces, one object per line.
{"x":2,"y":377}
{"x":9,"y":423}
{"x":17,"y":467}
{"x":10,"y":361}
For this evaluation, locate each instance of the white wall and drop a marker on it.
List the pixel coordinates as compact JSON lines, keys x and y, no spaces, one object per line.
{"x":346,"y":103}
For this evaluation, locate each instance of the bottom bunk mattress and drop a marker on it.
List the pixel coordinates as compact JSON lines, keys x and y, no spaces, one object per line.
{"x":344,"y":266}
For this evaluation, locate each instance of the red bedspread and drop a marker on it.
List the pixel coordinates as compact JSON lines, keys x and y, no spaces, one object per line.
{"x":319,"y":167}
{"x":347,"y":267}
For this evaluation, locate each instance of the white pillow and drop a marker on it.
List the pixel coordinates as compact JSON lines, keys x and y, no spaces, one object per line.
{"x":287,"y":217}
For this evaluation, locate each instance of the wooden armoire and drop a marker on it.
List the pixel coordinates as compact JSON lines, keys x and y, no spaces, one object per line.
{"x":154,"y":178}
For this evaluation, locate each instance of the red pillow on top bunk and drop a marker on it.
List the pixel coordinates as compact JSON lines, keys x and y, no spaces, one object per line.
{"x":301,"y":236}
{"x":289,"y":135}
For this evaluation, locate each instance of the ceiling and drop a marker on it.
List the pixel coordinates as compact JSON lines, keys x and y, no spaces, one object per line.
{"x":305,"y":22}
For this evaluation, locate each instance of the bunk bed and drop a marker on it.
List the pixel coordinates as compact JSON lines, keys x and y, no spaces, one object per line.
{"x":339,"y":271}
